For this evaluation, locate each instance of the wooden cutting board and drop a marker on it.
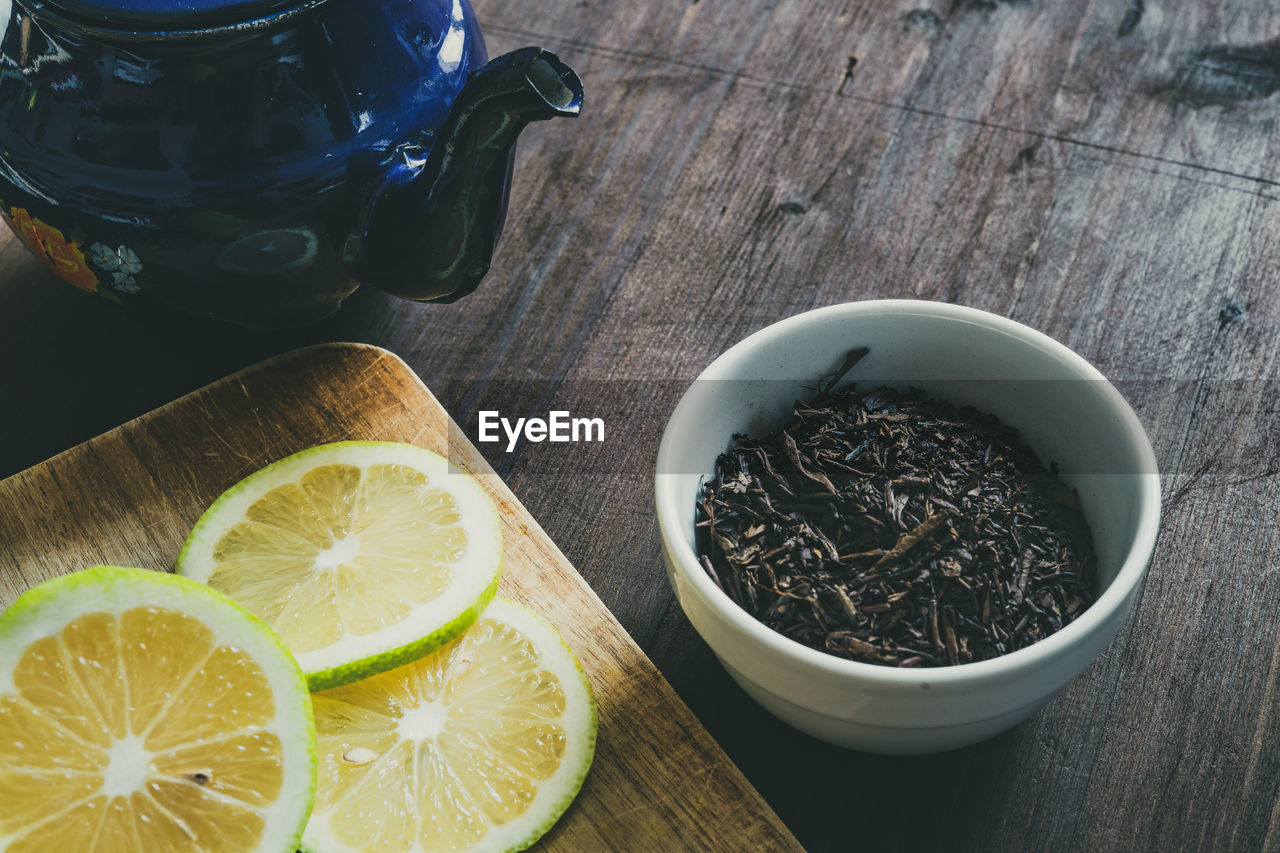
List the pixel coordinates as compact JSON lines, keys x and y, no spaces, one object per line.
{"x":129,"y":497}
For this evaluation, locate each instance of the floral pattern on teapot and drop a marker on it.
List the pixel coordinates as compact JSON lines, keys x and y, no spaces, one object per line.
{"x":54,"y":250}
{"x":120,"y":266}
{"x":122,"y":263}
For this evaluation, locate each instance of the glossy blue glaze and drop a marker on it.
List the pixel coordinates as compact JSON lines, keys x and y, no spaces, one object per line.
{"x":165,"y":14}
{"x":229,"y":173}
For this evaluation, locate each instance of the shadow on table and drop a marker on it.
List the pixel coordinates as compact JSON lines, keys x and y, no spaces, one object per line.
{"x":834,"y":799}
{"x":75,"y":365}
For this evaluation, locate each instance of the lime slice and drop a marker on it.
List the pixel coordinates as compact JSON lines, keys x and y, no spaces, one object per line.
{"x":361,"y":555}
{"x":143,"y":712}
{"x":479,"y":747}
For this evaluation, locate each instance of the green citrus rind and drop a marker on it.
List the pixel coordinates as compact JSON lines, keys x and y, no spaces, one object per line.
{"x":579,"y":777}
{"x":48,"y":607}
{"x":408,"y":653}
{"x":568,"y":783}
{"x":421,"y":641}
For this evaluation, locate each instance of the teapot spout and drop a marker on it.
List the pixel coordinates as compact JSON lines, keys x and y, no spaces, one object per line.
{"x":432,"y":228}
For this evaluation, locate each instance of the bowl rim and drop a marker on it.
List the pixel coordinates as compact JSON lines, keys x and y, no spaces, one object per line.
{"x":1095,"y":617}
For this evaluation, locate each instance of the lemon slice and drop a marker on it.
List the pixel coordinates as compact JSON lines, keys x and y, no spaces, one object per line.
{"x":360,"y":555}
{"x":142,"y":712}
{"x":479,"y":747}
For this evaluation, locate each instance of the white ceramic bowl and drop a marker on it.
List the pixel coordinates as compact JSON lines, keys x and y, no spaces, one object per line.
{"x":1063,"y":408}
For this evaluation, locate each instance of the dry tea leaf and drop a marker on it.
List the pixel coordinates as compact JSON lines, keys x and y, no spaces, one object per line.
{"x":892,"y":528}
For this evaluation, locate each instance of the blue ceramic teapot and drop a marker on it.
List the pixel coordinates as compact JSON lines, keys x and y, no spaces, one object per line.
{"x":255,"y":160}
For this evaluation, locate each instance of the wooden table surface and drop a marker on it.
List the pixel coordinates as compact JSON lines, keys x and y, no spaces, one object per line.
{"x":1103,"y":171}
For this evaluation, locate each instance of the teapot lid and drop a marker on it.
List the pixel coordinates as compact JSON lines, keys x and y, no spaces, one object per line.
{"x":166,"y":15}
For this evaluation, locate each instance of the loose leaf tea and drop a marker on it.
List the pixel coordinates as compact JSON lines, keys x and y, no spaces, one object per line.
{"x":891,"y":528}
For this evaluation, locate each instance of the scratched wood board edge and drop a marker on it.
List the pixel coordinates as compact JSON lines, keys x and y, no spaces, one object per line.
{"x":659,"y":778}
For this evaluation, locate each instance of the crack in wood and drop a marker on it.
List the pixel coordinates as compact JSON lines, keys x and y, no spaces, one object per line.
{"x":849,"y":69}
{"x":1024,"y":158}
{"x":1132,"y":16}
{"x":926,"y":18}
{"x":1259,"y":193}
{"x":1185,"y":490}
{"x":1231,"y":313}
{"x":985,"y":5}
{"x":1226,"y":73}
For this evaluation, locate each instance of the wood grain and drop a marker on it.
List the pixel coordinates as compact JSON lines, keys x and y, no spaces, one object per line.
{"x":129,"y":497}
{"x":1103,"y":170}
